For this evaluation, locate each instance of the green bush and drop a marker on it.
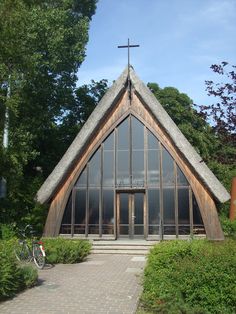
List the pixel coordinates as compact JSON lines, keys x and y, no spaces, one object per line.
{"x":7,"y":231}
{"x":66,"y":251}
{"x":229,"y":227}
{"x":191,"y":277}
{"x":13,"y":277}
{"x":29,"y":276}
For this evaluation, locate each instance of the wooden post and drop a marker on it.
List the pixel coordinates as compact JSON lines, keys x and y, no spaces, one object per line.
{"x":232,"y":212}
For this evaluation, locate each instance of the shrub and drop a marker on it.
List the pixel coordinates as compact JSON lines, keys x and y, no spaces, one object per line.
{"x":7,"y":231}
{"x":191,"y":277}
{"x":229,"y":227}
{"x":13,"y":277}
{"x":66,"y":251}
{"x":29,"y":276}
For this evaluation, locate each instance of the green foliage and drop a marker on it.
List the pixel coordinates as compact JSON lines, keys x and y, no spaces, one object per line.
{"x":180,"y":108}
{"x":42,"y":45}
{"x":29,"y":276}
{"x":7,"y":232}
{"x":228,"y":226}
{"x":214,"y":150}
{"x":13,"y":277}
{"x":191,"y":277}
{"x":59,"y":250}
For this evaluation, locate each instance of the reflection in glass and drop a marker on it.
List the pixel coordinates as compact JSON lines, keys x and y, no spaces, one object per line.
{"x":181,"y":179}
{"x":124,"y":208}
{"x":80,"y":210}
{"x":93,"y":212}
{"x":167,"y":168}
{"x":153,"y":175}
{"x":101,"y":170}
{"x":66,"y":220}
{"x":137,"y":134}
{"x":123,"y":178}
{"x":169,"y":206}
{"x":138,"y":213}
{"x":108,"y":144}
{"x":153,"y":142}
{"x":95,"y":169}
{"x":123,"y":135}
{"x":138,"y":208}
{"x":183,"y":205}
{"x":108,"y":212}
{"x":198,"y":226}
{"x":154,"y":210}
{"x":108,"y":168}
{"x":138,"y":168}
{"x":82,"y":180}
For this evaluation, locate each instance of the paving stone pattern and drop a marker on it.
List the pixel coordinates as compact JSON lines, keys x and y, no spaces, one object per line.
{"x":102,"y":284}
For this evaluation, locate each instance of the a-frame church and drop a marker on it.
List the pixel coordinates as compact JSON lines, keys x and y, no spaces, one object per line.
{"x":131,"y":173}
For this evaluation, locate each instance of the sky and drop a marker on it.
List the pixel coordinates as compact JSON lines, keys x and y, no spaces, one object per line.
{"x":179,"y":41}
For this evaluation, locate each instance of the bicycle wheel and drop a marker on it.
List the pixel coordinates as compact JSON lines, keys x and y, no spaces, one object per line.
{"x":38,"y":255}
{"x":22,"y":252}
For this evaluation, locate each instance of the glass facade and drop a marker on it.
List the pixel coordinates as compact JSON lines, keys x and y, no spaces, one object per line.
{"x":132,"y":186}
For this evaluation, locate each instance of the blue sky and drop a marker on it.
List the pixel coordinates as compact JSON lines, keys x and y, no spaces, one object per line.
{"x":179,"y":40}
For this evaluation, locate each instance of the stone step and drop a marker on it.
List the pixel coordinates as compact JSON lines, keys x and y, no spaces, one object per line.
{"x":123,"y":252}
{"x":120,"y":247}
{"x":124,"y":243}
{"x":130,"y":247}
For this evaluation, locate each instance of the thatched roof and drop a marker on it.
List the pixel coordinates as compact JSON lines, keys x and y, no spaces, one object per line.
{"x":109,"y":100}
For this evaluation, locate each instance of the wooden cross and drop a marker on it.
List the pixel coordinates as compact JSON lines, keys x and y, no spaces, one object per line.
{"x":128,"y":46}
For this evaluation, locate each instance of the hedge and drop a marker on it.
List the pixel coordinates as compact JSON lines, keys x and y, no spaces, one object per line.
{"x":13,"y":276}
{"x":66,"y":251}
{"x":191,"y":277}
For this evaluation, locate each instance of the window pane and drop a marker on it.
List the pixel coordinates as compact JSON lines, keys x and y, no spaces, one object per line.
{"x":198,"y":226}
{"x":153,"y":142}
{"x":167,"y":168}
{"x":169,"y":206}
{"x":181,"y":179}
{"x":108,"y":212}
{"x":108,"y":168}
{"x":95,"y":169}
{"x":137,"y":134}
{"x":138,"y":168}
{"x":80,"y":210}
{"x":153,"y":211}
{"x":82,"y":181}
{"x":108,"y":144}
{"x":183,"y":206}
{"x":123,"y":135}
{"x":93,"y":211}
{"x":124,"y":208}
{"x":138,"y":213}
{"x":66,"y":220}
{"x":138,"y":208}
{"x":123,"y":178}
{"x":153,"y":175}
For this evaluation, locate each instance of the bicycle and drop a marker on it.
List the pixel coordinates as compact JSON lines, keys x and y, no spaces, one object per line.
{"x":25,"y":253}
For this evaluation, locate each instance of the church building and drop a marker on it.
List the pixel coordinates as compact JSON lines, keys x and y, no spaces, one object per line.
{"x":131,"y":173}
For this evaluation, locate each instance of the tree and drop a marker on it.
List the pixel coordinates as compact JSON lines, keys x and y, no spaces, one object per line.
{"x":42,"y":45}
{"x":223,"y":112}
{"x":218,"y":153}
{"x":193,"y":125}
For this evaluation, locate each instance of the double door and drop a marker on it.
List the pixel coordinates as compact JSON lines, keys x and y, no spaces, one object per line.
{"x":131,"y":213}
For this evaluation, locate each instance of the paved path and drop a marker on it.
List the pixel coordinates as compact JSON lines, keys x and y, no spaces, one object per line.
{"x":102,"y":284}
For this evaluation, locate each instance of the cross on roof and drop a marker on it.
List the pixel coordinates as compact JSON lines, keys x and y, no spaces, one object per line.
{"x":129,"y":82}
{"x":128,"y":46}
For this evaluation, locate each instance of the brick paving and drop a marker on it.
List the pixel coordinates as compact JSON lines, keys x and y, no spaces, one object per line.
{"x":102,"y":284}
